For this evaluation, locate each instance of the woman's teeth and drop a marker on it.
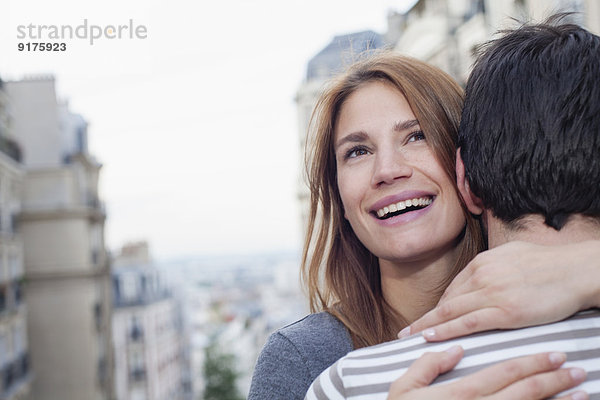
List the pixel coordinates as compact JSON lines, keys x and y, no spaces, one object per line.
{"x":401,"y":206}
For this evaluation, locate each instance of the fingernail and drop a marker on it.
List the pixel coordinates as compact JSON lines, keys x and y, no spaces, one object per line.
{"x":429,"y":333}
{"x":577,"y":374}
{"x":404,"y":333}
{"x":557,"y":358}
{"x":579,"y":396}
{"x":454,"y":350}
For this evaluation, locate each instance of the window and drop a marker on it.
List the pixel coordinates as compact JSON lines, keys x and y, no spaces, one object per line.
{"x":98,"y":316}
{"x":137,"y":369}
{"x":18,"y":288}
{"x":128,"y":287}
{"x":18,"y":340}
{"x":14,"y":263}
{"x":3,"y":350}
{"x":136,"y":332}
{"x":3,"y":297}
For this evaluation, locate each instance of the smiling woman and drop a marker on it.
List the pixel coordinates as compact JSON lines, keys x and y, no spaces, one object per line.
{"x":385,"y":137}
{"x":395,"y":192}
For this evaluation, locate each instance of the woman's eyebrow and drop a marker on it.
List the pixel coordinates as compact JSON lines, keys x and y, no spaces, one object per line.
{"x":355,"y":137}
{"x":404,"y":125}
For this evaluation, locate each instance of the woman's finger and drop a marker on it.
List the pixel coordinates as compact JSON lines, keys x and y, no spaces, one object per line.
{"x":425,"y":369}
{"x":477,"y":321}
{"x":450,"y":310}
{"x":578,"y":395}
{"x":532,"y":377}
{"x":497,"y":377}
{"x":542,"y":386}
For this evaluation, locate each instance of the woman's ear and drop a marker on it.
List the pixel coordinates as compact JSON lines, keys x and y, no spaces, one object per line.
{"x":473,"y":203}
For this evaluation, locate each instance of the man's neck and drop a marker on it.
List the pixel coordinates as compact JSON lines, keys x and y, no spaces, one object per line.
{"x":533,"y":229}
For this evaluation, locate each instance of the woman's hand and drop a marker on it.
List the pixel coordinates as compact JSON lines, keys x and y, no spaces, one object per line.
{"x":515,"y":285}
{"x":528,"y":378}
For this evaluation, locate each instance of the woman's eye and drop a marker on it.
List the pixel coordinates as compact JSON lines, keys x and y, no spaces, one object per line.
{"x":416,"y":136}
{"x":356,"y":152}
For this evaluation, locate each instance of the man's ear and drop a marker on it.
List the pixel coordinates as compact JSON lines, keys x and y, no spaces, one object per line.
{"x":474,"y":203}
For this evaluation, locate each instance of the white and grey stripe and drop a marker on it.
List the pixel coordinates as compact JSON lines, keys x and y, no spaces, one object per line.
{"x":367,"y":373}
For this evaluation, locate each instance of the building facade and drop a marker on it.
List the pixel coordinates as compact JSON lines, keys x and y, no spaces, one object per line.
{"x":15,"y":373}
{"x":147,"y":342}
{"x":61,"y":223}
{"x":446,"y":33}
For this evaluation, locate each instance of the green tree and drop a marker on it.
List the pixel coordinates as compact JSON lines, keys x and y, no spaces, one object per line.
{"x":220,"y":375}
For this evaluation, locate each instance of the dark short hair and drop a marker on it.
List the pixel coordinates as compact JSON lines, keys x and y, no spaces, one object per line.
{"x":530,"y":127}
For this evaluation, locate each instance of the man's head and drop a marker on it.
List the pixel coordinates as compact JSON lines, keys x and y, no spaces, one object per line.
{"x":530,"y":130}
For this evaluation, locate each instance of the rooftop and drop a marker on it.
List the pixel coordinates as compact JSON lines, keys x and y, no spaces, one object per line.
{"x":342,"y":51}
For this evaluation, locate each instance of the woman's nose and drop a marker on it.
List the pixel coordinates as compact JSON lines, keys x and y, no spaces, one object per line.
{"x":390,"y":166}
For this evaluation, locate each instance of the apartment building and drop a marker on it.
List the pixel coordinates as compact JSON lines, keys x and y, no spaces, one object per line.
{"x":61,"y":223}
{"x":15,"y":372}
{"x":147,"y":341}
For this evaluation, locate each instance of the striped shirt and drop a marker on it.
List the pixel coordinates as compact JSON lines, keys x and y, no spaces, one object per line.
{"x":368,"y":373}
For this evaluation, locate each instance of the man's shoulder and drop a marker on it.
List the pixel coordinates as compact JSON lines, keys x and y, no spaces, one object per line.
{"x":371,"y":370}
{"x":580,"y":330}
{"x":591,"y":313}
{"x":416,"y":342}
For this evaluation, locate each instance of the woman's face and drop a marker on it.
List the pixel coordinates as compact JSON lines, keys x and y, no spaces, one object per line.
{"x":399,"y":201}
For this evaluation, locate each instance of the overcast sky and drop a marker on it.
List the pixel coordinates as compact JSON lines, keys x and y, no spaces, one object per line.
{"x":195,"y":125}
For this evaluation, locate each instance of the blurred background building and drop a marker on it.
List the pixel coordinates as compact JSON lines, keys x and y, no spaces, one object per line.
{"x":15,"y":373}
{"x":61,"y":224}
{"x":446,"y":33}
{"x":147,"y":342}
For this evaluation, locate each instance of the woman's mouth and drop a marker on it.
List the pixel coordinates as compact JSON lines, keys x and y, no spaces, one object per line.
{"x":402,"y":207}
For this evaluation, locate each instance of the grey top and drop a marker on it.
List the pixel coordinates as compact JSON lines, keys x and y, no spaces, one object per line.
{"x":296,"y":354}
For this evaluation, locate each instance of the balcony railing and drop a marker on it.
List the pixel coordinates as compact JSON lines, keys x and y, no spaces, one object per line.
{"x":141,"y":299}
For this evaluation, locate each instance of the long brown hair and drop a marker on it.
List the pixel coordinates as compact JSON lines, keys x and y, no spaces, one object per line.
{"x":341,"y":275}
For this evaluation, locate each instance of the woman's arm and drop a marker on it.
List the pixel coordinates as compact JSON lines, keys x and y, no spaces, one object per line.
{"x":515,"y":285}
{"x":528,"y":378}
